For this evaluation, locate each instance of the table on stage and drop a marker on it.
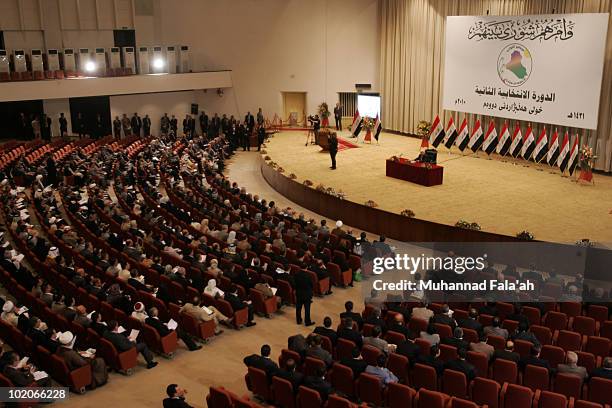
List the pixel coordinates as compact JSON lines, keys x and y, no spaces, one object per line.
{"x":419,"y":173}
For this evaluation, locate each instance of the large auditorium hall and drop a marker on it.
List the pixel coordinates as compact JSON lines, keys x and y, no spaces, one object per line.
{"x":306,"y":203}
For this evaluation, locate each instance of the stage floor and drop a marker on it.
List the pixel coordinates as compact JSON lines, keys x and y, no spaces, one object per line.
{"x":500,"y":196}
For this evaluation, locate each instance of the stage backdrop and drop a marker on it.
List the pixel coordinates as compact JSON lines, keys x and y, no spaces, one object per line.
{"x":538,"y":68}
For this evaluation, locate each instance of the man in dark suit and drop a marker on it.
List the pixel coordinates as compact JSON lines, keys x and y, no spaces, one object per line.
{"x":249,"y":119}
{"x":457,"y":340}
{"x":348,"y":312}
{"x":176,"y":397}
{"x":163,"y":330}
{"x":376,"y":320}
{"x":605,"y":371}
{"x":146,"y":126}
{"x":346,"y":332}
{"x":237,"y":304}
{"x":122,"y":343}
{"x":294,"y":377}
{"x":398,"y":326}
{"x":408,"y":348}
{"x":303,"y":297}
{"x":338,"y":116}
{"x":327,"y":331}
{"x":39,"y":337}
{"x":333,"y":149}
{"x":507,"y":354}
{"x":432,"y":359}
{"x":534,"y":359}
{"x":525,"y":334}
{"x":136,"y":123}
{"x":444,"y":317}
{"x":21,"y":376}
{"x":472,"y":322}
{"x":318,"y":383}
{"x":63,"y":123}
{"x":459,"y":364}
{"x":262,"y":361}
{"x":355,"y":363}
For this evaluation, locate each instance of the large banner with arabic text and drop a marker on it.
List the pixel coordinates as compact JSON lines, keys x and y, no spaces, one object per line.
{"x":541,"y":68}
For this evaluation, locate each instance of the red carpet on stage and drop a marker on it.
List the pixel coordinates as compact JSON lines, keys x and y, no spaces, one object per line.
{"x":345,"y":144}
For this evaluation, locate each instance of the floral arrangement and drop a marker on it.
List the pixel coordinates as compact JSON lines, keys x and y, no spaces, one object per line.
{"x":467,"y":225}
{"x":266,"y":158}
{"x":368,"y":123}
{"x":307,"y":183}
{"x":292,"y":176}
{"x":423,"y":128}
{"x":320,"y":187}
{"x":280,"y":169}
{"x":263,"y":152}
{"x":371,"y":204}
{"x":324,"y":110}
{"x":525,"y":235}
{"x":587,"y":158}
{"x":407,"y":213}
{"x":273,"y":164}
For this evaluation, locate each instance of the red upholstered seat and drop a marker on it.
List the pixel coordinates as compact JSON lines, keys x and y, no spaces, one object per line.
{"x":600,"y":390}
{"x":341,"y":378}
{"x":424,"y":376}
{"x":516,"y":396}
{"x":309,"y":398}
{"x":430,"y":399}
{"x":283,"y":392}
{"x":454,"y":383}
{"x":400,"y":395}
{"x":369,"y":389}
{"x":568,"y":385}
{"x":536,"y":378}
{"x":504,"y":371}
{"x":547,"y":399}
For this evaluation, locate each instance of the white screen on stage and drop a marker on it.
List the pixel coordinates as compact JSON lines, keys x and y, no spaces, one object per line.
{"x":368,"y":105}
{"x":540,"y":68}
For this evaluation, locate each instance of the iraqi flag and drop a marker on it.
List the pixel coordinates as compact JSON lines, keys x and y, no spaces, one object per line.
{"x":503,"y":145}
{"x":477,"y":137}
{"x":553,"y":149}
{"x":573,"y":157}
{"x":517,"y":142}
{"x":357,"y":124}
{"x":437,"y":132}
{"x":377,"y":128}
{"x":528,"y":144}
{"x":451,"y":134}
{"x":563,"y":158}
{"x":490,"y":140}
{"x":463,"y":136}
{"x":541,"y":148}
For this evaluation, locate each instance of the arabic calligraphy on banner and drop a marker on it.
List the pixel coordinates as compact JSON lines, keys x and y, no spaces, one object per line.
{"x":545,"y":68}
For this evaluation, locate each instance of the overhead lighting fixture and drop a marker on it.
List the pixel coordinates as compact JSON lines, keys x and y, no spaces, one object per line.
{"x":90,"y":66}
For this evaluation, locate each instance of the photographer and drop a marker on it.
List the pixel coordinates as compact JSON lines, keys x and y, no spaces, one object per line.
{"x":315,"y":122}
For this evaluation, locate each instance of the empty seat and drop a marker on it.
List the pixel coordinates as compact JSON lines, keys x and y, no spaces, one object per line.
{"x":598,"y":312}
{"x":336,"y":401}
{"x":430,"y":399}
{"x":369,"y":389}
{"x":309,"y":398}
{"x":547,"y":399}
{"x":542,"y":333}
{"x":370,"y":354}
{"x":400,"y":395}
{"x":536,"y":377}
{"x":480,"y":361}
{"x":219,"y":398}
{"x":498,"y":342}
{"x":504,"y":371}
{"x":341,"y":378}
{"x":568,"y":340}
{"x":586,"y":404}
{"x":584,"y":325}
{"x":258,"y":383}
{"x":555,"y":321}
{"x":311,"y":365}
{"x":398,"y":364}
{"x":599,"y":346}
{"x":454,"y":383}
{"x":568,"y":385}
{"x":600,"y":390}
{"x":553,"y":354}
{"x":516,"y":396}
{"x":461,"y":403}
{"x":424,"y":376}
{"x":283,"y":392}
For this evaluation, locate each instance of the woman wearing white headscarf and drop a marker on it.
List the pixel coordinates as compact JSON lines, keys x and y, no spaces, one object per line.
{"x":213,"y":269}
{"x":231,"y":238}
{"x":212,"y":290}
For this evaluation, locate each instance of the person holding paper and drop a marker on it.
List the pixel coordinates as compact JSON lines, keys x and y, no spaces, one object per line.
{"x":204,"y":315}
{"x":212,"y":290}
{"x":75,"y":360}
{"x":163,"y":329}
{"x":123,"y":343}
{"x":238,"y":304}
{"x":22,"y":374}
{"x":8,"y":313}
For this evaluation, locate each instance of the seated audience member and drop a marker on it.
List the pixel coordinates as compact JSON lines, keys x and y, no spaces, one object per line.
{"x":327,"y":331}
{"x":519,"y":317}
{"x":409,"y":348}
{"x":139,"y":312}
{"x":355,"y":363}
{"x":571,"y":367}
{"x":376,"y":341}
{"x":423,"y":313}
{"x":444,"y":317}
{"x":81,"y":316}
{"x":298,"y":344}
{"x":262,"y":361}
{"x":315,"y":350}
{"x":534,"y":359}
{"x":40,"y":335}
{"x":523,"y":333}
{"x":432,"y":359}
{"x":176,"y":397}
{"x":457,"y":340}
{"x":346,"y":332}
{"x":318,"y":383}
{"x":382,"y":372}
{"x":212,"y":290}
{"x":605,"y":371}
{"x":237,"y":304}
{"x":22,"y":375}
{"x":290,"y":374}
{"x":483,"y":347}
{"x":97,"y":324}
{"x":496,"y":329}
{"x":471,"y":322}
{"x":508,"y":353}
{"x":461,"y":365}
{"x":356,"y":317}
{"x":8,"y":313}
{"x":162,"y":329}
{"x":74,"y":360}
{"x":398,"y":326}
{"x":431,"y":335}
{"x":376,"y":320}
{"x":122,"y":343}
{"x":194,"y":310}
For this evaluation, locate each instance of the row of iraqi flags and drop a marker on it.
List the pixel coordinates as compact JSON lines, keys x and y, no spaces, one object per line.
{"x":515,"y":144}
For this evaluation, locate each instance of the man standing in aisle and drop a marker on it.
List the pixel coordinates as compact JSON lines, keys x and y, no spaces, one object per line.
{"x":261,"y":136}
{"x":249,"y":121}
{"x":136,"y":124}
{"x":303,"y":297}
{"x":127,"y":125}
{"x":338,"y":116}
{"x":204,"y":123}
{"x":63,"y":125}
{"x":117,"y":128}
{"x":333,"y":149}
{"x":146,"y":126}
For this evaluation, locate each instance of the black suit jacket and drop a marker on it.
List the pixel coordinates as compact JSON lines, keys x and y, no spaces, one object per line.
{"x":471,"y":324}
{"x":377,"y":322}
{"x":329,"y":333}
{"x":432,"y":362}
{"x":444,"y":319}
{"x":235,"y":301}
{"x":457,"y":343}
{"x":120,"y":342}
{"x":358,"y":366}
{"x":266,"y":364}
{"x":352,"y":335}
{"x":176,"y":403}
{"x":318,"y":384}
{"x":294,"y":377}
{"x":506,"y":355}
{"x":159,"y":326}
{"x":356,"y":317}
{"x":303,"y":287}
{"x":534,"y":361}
{"x":42,"y":339}
{"x":19,"y":378}
{"x":408,"y":349}
{"x":463,"y":367}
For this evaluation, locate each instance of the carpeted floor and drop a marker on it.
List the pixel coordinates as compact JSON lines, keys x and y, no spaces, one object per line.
{"x":503,"y":197}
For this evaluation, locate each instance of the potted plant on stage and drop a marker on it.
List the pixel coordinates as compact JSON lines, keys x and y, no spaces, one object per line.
{"x":324,"y":114}
{"x":586,"y":164}
{"x":368,"y":125}
{"x":423,"y":129}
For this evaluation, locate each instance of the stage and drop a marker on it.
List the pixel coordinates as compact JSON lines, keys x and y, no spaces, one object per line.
{"x":502,"y":197}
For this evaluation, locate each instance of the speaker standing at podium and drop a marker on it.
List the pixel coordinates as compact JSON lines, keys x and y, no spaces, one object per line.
{"x":333,"y":149}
